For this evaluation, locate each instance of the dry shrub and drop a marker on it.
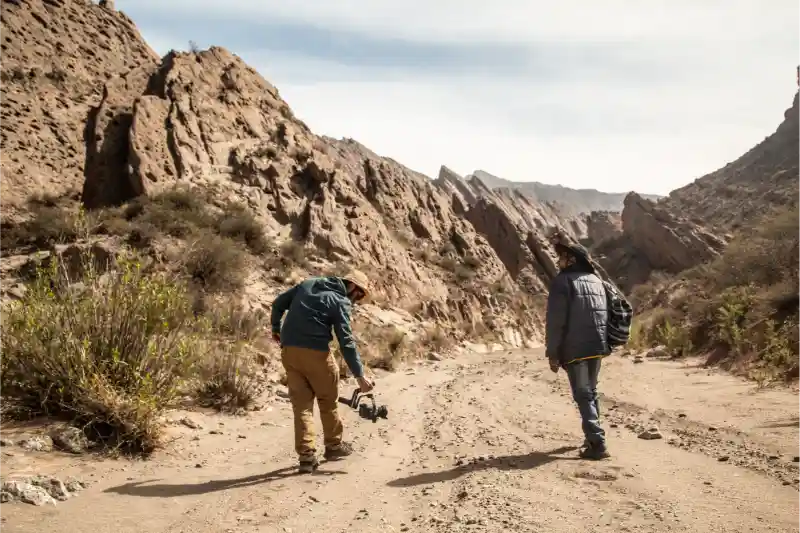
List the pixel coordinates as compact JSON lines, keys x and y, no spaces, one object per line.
{"x":436,"y":339}
{"x":231,"y":320}
{"x":463,"y":273}
{"x":49,"y":224}
{"x":449,"y":263}
{"x":228,"y":379}
{"x":241,"y":225}
{"x":290,"y":254}
{"x":179,"y":212}
{"x":217,"y":264}
{"x":176,"y":212}
{"x":110,"y":353}
{"x":381,"y":346}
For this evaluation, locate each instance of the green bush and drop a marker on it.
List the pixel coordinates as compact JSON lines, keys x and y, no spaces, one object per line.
{"x":110,"y":353}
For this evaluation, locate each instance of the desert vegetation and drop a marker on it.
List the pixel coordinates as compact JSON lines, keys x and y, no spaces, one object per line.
{"x":741,"y":309}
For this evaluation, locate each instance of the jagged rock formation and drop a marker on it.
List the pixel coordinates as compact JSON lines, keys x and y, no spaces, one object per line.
{"x":119,"y":123}
{"x":652,"y":239}
{"x":57,"y":57}
{"x":569,"y":201}
{"x":743,"y":190}
{"x":602,"y":226}
{"x":669,"y":243}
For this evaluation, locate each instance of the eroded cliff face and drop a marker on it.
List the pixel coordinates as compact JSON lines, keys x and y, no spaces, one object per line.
{"x":130,"y":124}
{"x":670,"y":243}
{"x":57,"y":57}
{"x":602,"y":226}
{"x":744,"y":190}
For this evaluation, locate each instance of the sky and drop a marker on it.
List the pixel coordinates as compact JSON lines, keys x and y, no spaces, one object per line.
{"x":616,"y":95}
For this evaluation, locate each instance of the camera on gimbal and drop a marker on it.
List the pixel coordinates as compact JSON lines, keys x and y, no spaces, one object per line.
{"x":367,"y":410}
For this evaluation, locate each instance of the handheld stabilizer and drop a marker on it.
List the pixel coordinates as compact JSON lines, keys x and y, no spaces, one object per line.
{"x":367,"y":410}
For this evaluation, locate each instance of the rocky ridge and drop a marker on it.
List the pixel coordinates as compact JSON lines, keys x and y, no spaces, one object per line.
{"x":739,"y":192}
{"x":569,"y":201}
{"x":129,"y":124}
{"x":694,"y":224}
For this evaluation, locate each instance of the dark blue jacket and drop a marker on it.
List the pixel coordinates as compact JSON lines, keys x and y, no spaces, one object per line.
{"x":577,"y":316}
{"x":314,"y":307}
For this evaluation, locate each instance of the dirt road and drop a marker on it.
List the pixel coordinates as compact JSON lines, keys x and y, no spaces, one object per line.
{"x":478,"y":443}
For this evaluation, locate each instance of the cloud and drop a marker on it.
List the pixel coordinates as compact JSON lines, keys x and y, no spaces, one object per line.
{"x":616,"y":95}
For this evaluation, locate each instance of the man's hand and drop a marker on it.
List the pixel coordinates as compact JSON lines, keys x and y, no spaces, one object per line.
{"x":365,"y":385}
{"x":554,"y":365}
{"x":276,"y":337}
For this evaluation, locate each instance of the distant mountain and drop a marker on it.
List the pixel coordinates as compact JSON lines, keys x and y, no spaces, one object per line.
{"x":571,"y":201}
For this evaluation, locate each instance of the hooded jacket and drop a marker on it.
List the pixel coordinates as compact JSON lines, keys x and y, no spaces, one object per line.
{"x":312,"y":308}
{"x":577,"y":316}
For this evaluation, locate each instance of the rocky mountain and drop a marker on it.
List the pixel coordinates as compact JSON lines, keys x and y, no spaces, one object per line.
{"x":58,"y":57}
{"x":91,"y":114}
{"x":694,"y":223}
{"x":570,"y":201}
{"x":738,"y":193}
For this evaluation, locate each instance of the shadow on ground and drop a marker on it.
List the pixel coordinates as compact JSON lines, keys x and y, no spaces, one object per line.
{"x":506,"y":462}
{"x":145,"y":489}
{"x":789,"y":423}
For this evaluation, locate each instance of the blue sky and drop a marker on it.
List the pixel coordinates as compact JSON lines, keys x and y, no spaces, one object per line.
{"x":616,"y":95}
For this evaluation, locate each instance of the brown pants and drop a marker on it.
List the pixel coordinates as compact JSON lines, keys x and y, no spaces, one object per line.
{"x":312,"y":374}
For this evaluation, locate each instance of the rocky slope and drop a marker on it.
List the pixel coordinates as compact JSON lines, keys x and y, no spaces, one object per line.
{"x":119,"y":123}
{"x":740,"y":192}
{"x":693,"y":224}
{"x":651,"y":239}
{"x":570,"y":201}
{"x":57,"y":58}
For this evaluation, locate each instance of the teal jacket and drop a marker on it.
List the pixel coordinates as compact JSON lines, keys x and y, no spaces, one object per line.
{"x":314,"y":307}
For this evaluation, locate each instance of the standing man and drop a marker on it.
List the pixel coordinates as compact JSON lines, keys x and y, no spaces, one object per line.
{"x":314,"y":307}
{"x":577,"y":322}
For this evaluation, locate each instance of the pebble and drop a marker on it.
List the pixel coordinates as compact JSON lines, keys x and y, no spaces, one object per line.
{"x":39,"y":443}
{"x":189,"y":423}
{"x":651,"y":434}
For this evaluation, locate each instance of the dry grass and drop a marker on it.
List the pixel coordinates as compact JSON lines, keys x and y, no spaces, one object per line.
{"x":111,"y":351}
{"x":109,"y":354}
{"x":388,"y":347}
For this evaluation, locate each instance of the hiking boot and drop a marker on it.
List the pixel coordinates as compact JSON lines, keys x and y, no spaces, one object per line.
{"x":595,"y":453}
{"x":345,"y":449}
{"x":308,"y":466}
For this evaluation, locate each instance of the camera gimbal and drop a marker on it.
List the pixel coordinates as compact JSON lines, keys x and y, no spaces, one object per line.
{"x":369,"y":411}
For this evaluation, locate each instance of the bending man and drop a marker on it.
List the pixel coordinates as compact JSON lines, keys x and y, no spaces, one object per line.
{"x":312,"y":308}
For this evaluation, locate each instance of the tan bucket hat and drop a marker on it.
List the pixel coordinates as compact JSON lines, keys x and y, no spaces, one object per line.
{"x":359,"y":279}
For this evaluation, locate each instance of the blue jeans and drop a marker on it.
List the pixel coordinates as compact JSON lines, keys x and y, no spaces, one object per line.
{"x":583,"y":377}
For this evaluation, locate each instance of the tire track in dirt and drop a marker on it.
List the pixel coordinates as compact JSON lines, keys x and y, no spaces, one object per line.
{"x":481,"y":443}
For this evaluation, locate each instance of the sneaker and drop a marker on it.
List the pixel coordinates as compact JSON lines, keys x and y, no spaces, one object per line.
{"x":308,"y":466}
{"x":594,"y":453}
{"x":345,"y":449}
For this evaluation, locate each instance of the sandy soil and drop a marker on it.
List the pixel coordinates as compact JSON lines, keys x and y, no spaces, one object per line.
{"x":478,"y":443}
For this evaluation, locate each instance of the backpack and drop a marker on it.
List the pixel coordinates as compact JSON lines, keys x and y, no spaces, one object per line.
{"x":620,"y":314}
